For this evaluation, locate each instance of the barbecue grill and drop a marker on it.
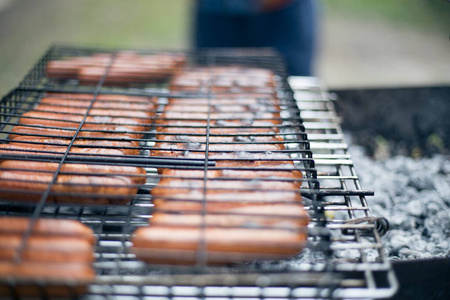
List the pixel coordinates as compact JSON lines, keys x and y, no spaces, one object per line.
{"x":343,"y":256}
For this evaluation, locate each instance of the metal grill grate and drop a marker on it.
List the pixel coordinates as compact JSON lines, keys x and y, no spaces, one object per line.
{"x":343,"y":257}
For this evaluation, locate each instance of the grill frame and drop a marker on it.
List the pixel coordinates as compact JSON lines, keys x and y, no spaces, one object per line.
{"x":320,"y":276}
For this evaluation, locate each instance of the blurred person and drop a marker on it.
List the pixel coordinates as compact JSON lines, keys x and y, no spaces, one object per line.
{"x":289,"y":26}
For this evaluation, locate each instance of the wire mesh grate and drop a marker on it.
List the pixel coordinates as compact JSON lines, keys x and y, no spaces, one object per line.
{"x":341,"y":258}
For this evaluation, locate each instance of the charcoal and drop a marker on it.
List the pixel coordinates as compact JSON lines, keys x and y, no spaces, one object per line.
{"x":414,"y":195}
{"x":415,"y":208}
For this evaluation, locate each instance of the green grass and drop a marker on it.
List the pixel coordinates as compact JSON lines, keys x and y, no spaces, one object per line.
{"x":421,"y":15}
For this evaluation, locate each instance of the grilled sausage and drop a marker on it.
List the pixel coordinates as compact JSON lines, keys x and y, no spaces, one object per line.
{"x":128,"y":147}
{"x":55,"y":252}
{"x":61,"y":69}
{"x":103,"y":100}
{"x":247,"y":99}
{"x":125,"y":67}
{"x":73,"y":121}
{"x":179,"y":245}
{"x":225,"y":198}
{"x":34,"y":149}
{"x":44,"y":249}
{"x":225,"y":79}
{"x":125,"y":103}
{"x":216,"y":127}
{"x":51,"y":271}
{"x":168,"y":116}
{"x":230,"y":138}
{"x":136,"y":174}
{"x":29,"y":185}
{"x":111,"y":132}
{"x":280,"y":216}
{"x":46,"y":227}
{"x":223,"y":184}
{"x":168,"y":149}
{"x":142,"y":117}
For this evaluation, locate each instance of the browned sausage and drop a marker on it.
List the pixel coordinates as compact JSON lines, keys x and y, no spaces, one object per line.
{"x":51,"y":249}
{"x":114,"y":132}
{"x":273,"y":215}
{"x":62,"y":69}
{"x":230,"y":100}
{"x":225,"y":79}
{"x":136,"y":174}
{"x":216,"y":127}
{"x":125,"y":68}
{"x":141,"y":117}
{"x":229,"y":199}
{"x":56,"y":250}
{"x":51,"y":271}
{"x":219,"y":185}
{"x":179,"y":245}
{"x":33,"y":149}
{"x":105,"y":99}
{"x":26,"y":185}
{"x":73,"y":121}
{"x":224,"y":151}
{"x":29,"y":186}
{"x":245,"y":138}
{"x":126,"y":104}
{"x":46,"y":227}
{"x":168,"y":116}
{"x":129,"y":147}
{"x":285,"y":172}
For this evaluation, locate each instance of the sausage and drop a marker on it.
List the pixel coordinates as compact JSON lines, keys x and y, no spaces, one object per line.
{"x":46,"y":227}
{"x":129,"y":147}
{"x":61,"y":69}
{"x":226,"y":138}
{"x":225,"y":198}
{"x":29,"y":187}
{"x":225,"y":151}
{"x":68,"y":68}
{"x":56,"y":249}
{"x":34,"y":149}
{"x":103,"y":99}
{"x":142,"y":117}
{"x":188,"y":174}
{"x":180,"y":245}
{"x":133,"y":68}
{"x":73,"y":121}
{"x":20,"y":185}
{"x":74,"y":271}
{"x":124,"y":104}
{"x":168,"y":116}
{"x":216,"y":127}
{"x":288,"y":216}
{"x":239,"y":159}
{"x":229,"y":100}
{"x":113,"y":132}
{"x":136,"y":174}
{"x":225,"y":79}
{"x":220,"y":185}
{"x":125,"y":67}
{"x":193,"y":106}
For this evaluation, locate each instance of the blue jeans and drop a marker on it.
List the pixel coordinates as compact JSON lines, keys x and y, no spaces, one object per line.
{"x":290,"y":30}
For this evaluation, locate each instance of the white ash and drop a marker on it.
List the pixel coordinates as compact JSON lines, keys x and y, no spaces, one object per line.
{"x":414,"y":195}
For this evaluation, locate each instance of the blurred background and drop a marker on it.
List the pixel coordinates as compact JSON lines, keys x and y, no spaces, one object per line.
{"x":363,"y":43}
